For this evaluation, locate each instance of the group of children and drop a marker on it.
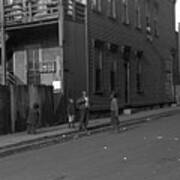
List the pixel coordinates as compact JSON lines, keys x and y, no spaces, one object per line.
{"x":82,"y":105}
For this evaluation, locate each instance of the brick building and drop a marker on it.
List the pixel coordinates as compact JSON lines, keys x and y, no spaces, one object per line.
{"x":116,"y":45}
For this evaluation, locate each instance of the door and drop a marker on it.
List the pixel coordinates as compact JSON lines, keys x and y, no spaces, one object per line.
{"x":20,"y":66}
{"x":126,"y":80}
{"x":33,"y":66}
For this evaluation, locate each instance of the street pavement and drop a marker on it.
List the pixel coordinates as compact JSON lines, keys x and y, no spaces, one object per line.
{"x":146,"y":151}
{"x":12,"y":143}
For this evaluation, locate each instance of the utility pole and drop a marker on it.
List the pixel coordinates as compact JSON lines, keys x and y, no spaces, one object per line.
{"x":3,"y":45}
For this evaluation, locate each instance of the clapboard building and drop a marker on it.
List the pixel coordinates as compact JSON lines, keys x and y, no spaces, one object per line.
{"x":100,"y":46}
{"x":131,"y":51}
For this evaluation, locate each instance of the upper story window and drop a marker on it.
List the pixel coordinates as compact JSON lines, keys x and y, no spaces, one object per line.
{"x":148,"y":20}
{"x":96,"y":5}
{"x":112,"y":8}
{"x":155,"y":19}
{"x":70,"y":8}
{"x":138,"y":14}
{"x":125,"y":15}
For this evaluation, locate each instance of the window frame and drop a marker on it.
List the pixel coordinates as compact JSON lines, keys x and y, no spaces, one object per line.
{"x":98,"y":69}
{"x":138,"y":21}
{"x":96,"y":5}
{"x":112,"y":8}
{"x":125,"y":12}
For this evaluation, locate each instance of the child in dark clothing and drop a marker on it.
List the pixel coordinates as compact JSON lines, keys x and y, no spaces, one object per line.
{"x":71,"y":113}
{"x":33,"y":119}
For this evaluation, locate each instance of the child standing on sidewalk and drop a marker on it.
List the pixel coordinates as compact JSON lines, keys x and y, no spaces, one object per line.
{"x":71,"y":113}
{"x":33,"y":119}
{"x":114,"y":112}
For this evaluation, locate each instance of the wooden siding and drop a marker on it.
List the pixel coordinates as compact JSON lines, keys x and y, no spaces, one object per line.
{"x":109,"y":30}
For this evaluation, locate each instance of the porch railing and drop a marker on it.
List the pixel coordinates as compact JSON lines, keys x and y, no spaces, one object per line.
{"x":42,"y":10}
{"x":23,"y":12}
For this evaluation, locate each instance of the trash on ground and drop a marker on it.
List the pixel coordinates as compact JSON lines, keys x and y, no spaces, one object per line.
{"x":176,"y":139}
{"x":105,"y":147}
{"x":63,"y":135}
{"x":159,"y":137}
{"x":124,"y":128}
{"x":125,"y":158}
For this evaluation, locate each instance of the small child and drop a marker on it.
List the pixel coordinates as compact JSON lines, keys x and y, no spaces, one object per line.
{"x":33,"y":119}
{"x":114,"y":112}
{"x":71,"y":113}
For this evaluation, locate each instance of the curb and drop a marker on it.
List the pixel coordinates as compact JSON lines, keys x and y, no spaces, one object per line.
{"x":64,"y":137}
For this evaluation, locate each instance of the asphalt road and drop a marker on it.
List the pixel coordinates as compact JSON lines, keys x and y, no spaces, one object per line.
{"x":149,"y":151}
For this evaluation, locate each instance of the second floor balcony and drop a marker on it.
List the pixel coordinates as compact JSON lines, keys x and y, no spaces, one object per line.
{"x":20,"y":12}
{"x":26,"y":11}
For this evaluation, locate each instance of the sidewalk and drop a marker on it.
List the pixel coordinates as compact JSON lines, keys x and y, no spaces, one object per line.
{"x":21,"y":141}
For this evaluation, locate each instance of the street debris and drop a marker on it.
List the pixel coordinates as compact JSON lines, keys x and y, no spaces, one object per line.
{"x":124,"y":128}
{"x":159,"y":137}
{"x":105,"y":147}
{"x":176,"y":139}
{"x":125,"y":158}
{"x":63,"y":136}
{"x":145,"y":138}
{"x":148,"y":119}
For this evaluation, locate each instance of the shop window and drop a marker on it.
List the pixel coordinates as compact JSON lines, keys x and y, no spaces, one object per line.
{"x":112,"y":8}
{"x":96,"y":5}
{"x":125,"y":15}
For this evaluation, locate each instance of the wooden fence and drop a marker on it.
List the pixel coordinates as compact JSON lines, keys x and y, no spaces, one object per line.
{"x":15,"y":102}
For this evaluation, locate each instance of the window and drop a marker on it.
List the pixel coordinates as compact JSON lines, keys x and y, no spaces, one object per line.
{"x":96,"y":5}
{"x":125,"y":15}
{"x":137,"y":14}
{"x":148,"y":20}
{"x":113,"y":76}
{"x":70,"y":8}
{"x":155,"y":21}
{"x":0,"y":57}
{"x":112,"y":8}
{"x":139,"y":73}
{"x":98,"y":69}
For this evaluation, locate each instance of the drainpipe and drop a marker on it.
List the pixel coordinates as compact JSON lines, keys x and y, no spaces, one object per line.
{"x":61,"y":39}
{"x":3,"y":45}
{"x":87,"y":46}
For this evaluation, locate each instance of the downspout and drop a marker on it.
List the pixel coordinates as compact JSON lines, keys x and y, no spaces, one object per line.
{"x":3,"y":44}
{"x":87,"y":46}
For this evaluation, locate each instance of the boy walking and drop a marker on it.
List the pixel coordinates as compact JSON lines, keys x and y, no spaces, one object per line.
{"x":83,"y":104}
{"x":114,"y":112}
